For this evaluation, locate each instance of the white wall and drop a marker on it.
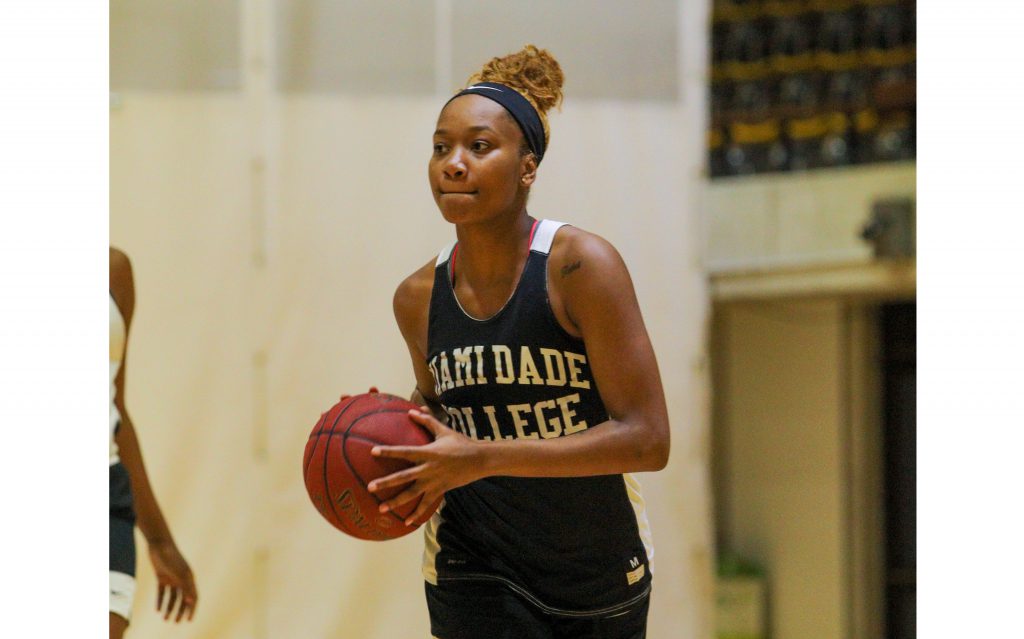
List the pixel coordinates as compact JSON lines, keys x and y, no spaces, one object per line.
{"x":798,"y":470}
{"x":798,"y":219}
{"x":781,"y":431}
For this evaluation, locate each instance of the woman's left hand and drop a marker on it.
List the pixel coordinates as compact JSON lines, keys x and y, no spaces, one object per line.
{"x":450,"y":461}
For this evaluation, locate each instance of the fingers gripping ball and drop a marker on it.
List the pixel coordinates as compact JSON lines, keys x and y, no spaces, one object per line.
{"x":337,"y":464}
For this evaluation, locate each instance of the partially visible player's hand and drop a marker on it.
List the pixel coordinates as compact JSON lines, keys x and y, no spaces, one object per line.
{"x":174,"y":578}
{"x":450,"y":461}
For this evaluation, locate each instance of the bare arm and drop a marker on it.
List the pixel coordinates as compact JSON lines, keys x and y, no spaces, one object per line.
{"x":173,"y":572}
{"x":411,"y":306}
{"x":595,"y":300}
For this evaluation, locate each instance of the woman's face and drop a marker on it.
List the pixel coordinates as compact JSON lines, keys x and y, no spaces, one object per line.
{"x":476,"y":170}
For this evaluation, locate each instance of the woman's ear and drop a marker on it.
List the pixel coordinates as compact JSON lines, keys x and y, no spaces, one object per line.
{"x":528,"y":169}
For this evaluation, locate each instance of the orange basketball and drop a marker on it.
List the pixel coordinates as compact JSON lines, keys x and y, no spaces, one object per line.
{"x":337,"y":464}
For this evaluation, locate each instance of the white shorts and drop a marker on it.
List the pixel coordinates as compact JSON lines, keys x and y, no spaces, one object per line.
{"x":122,"y":593}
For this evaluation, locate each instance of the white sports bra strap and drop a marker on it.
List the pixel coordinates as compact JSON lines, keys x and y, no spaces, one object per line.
{"x":445,"y":253}
{"x":545,"y":235}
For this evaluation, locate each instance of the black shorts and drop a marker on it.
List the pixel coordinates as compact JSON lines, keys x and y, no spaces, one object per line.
{"x":122,"y":522}
{"x":489,"y":610}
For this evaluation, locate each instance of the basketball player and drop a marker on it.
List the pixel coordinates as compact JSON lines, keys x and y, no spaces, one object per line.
{"x":526,"y":336}
{"x":131,"y":497}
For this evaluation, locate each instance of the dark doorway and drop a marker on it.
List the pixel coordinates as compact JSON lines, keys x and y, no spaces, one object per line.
{"x":899,"y":375}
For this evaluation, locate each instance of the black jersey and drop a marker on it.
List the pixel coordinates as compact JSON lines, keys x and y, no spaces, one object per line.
{"x":572,"y":546}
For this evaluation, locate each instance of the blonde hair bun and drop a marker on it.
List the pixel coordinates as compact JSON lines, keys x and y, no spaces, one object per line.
{"x":532,"y":72}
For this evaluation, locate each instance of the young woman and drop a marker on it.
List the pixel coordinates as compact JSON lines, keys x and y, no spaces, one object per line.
{"x":526,"y":339}
{"x":131,"y":497}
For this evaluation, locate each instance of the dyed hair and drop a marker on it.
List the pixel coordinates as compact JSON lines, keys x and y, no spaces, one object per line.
{"x":532,"y":72}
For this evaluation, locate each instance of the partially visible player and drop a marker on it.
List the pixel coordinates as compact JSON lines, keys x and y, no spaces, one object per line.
{"x":131,"y":497}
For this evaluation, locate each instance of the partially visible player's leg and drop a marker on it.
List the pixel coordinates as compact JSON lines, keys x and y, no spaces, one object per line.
{"x":122,"y":551}
{"x":118,"y":624}
{"x":122,"y":593}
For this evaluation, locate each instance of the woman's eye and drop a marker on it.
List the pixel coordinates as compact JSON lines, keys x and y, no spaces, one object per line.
{"x":439,"y":148}
{"x":480,"y":145}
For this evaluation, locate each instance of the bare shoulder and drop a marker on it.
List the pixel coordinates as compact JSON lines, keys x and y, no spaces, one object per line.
{"x":412,"y":299}
{"x":122,"y":285}
{"x":575,"y":250}
{"x":585,"y":274}
{"x":120,"y":265}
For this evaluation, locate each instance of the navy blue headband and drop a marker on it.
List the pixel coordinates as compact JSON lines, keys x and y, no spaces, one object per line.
{"x":518,"y":107}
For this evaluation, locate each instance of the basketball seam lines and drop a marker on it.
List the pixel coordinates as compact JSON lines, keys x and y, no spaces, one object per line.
{"x":358,"y":438}
{"x":344,"y":455}
{"x":327,"y":487}
{"x":319,"y":424}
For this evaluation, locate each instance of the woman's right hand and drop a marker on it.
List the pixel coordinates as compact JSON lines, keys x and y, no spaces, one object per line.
{"x":174,"y":579}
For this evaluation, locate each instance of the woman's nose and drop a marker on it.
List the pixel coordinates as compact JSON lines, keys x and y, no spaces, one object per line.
{"x":455,"y":167}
